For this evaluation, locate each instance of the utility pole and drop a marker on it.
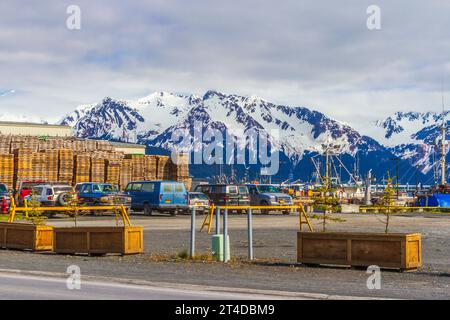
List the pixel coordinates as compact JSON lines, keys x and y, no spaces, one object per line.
{"x":443,"y":169}
{"x":443,"y":164}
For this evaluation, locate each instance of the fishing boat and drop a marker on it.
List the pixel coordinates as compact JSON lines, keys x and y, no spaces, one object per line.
{"x":438,"y":196}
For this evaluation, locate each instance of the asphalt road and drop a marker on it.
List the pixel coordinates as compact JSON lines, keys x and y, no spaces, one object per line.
{"x":274,"y":270}
{"x":16,"y":286}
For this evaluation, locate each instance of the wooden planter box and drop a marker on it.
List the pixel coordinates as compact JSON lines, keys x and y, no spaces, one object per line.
{"x":99,"y":240}
{"x":26,"y":236}
{"x":397,"y":251}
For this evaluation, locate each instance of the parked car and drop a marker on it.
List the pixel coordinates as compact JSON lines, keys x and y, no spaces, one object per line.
{"x":225,"y":194}
{"x":5,"y":198}
{"x":24,"y":189}
{"x":91,"y":193}
{"x":268,"y":195}
{"x":162,"y":196}
{"x":199,"y":200}
{"x":52,"y":194}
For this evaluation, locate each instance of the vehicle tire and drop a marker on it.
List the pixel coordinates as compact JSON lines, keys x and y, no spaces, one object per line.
{"x":147,"y":210}
{"x":49,"y":214}
{"x":63,"y":199}
{"x":173,"y":213}
{"x":286,"y":212}
{"x":264,"y":211}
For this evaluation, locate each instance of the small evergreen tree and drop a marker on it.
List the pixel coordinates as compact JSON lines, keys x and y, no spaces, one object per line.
{"x":35,"y":216}
{"x":327,"y":202}
{"x":387,"y":201}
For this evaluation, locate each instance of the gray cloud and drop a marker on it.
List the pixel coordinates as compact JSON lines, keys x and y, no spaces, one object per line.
{"x":314,"y":53}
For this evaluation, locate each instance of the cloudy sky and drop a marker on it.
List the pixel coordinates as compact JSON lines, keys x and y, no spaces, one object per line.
{"x":314,"y":53}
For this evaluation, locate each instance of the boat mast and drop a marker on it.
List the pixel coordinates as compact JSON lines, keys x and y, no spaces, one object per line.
{"x":443,"y":164}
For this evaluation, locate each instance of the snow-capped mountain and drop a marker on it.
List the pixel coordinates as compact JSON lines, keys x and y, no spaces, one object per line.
{"x":414,"y":136}
{"x":152,"y":120}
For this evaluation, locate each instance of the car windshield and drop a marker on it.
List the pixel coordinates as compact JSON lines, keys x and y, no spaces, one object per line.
{"x":243,"y":190}
{"x":109,"y":188}
{"x":3,"y":188}
{"x":199,"y":196}
{"x":62,"y":189}
{"x":268,"y":189}
{"x":232,"y":189}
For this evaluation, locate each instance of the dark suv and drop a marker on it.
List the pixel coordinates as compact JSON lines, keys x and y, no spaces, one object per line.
{"x":225,"y":194}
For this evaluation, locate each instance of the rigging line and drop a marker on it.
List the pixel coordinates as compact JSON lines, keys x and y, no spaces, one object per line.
{"x":334,"y":167}
{"x":406,"y":173}
{"x":348,"y":172}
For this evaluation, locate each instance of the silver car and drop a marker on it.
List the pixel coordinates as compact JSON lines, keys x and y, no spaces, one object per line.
{"x":52,"y":194}
{"x":268,"y":195}
{"x":199,"y":200}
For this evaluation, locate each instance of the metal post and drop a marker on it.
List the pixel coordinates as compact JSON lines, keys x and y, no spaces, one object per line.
{"x":225,"y":235}
{"x":192,"y":252}
{"x":218,"y":220}
{"x":250,"y":234}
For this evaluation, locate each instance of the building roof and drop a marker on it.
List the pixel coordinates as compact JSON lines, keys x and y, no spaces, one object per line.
{"x":126,"y":144}
{"x":31,"y":124}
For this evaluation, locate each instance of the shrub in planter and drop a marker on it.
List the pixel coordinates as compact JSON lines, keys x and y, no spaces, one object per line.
{"x":386,"y":250}
{"x":34,"y":235}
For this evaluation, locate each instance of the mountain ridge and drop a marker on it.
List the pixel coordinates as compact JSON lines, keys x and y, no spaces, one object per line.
{"x":153,"y":119}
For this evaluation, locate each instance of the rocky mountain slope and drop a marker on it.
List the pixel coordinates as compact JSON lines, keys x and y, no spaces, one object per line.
{"x":297,"y":132}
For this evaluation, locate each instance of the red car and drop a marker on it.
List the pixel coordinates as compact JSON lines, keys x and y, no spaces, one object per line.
{"x":25,"y":187}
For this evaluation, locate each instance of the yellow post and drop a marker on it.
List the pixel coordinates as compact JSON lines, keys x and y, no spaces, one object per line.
{"x":302,"y":212}
{"x":12,"y":209}
{"x":208,"y":219}
{"x":125,"y":216}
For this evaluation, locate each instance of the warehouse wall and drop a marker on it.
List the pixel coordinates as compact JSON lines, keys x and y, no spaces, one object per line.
{"x":35,"y":130}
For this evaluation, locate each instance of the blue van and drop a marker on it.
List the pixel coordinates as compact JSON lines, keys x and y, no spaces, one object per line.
{"x":163,"y":196}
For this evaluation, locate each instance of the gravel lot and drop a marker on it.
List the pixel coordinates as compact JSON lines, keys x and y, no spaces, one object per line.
{"x":275,"y":249}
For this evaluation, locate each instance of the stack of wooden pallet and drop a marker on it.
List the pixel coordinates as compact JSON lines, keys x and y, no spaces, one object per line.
{"x":31,"y":143}
{"x":51,"y":164}
{"x":52,"y":159}
{"x":125,"y":173}
{"x":91,"y":145}
{"x":112,"y":170}
{"x":65,"y":170}
{"x":150,"y":164}
{"x":187,"y":183}
{"x":179,"y":166}
{"x":5,"y":144}
{"x":137,"y":164}
{"x":16,"y":144}
{"x":7,"y":170}
{"x":179,"y":169}
{"x":82,"y":167}
{"x":97,"y":170}
{"x":163,"y":168}
{"x":22,"y":165}
{"x":104,"y":145}
{"x":44,"y":144}
{"x":39,"y":166}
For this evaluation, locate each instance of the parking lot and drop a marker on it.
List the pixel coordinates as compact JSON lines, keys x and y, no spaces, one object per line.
{"x":275,"y":267}
{"x":275,"y":234}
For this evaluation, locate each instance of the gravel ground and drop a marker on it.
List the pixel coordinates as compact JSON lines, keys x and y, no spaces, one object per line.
{"x":275,"y":248}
